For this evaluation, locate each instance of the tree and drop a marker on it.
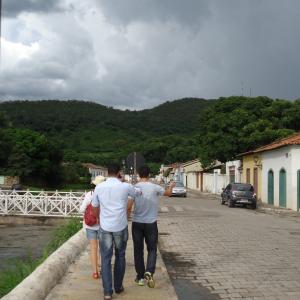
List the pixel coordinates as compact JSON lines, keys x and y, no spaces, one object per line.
{"x":30,"y":154}
{"x":238,"y":124}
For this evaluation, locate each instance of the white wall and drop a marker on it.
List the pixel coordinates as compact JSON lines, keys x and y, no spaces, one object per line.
{"x":208,"y":182}
{"x":214,"y":183}
{"x":295,"y":153}
{"x":191,"y":180}
{"x":276,"y":160}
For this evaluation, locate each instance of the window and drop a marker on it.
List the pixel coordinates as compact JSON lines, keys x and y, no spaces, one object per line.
{"x":232,"y":174}
{"x":1,"y":179}
{"x":242,"y":187}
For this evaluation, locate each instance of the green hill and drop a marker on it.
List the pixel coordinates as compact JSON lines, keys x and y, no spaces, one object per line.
{"x":96,"y":133}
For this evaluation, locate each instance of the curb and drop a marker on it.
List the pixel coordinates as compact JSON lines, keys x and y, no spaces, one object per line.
{"x":45,"y":277}
{"x":171,"y":288}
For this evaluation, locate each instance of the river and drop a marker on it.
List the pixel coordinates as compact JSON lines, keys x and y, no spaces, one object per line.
{"x":23,"y":241}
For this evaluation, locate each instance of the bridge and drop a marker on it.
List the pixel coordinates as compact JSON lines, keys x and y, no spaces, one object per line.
{"x":40,"y":203}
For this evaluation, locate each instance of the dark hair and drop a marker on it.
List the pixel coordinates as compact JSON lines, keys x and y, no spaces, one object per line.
{"x":113,"y":169}
{"x":144,"y":171}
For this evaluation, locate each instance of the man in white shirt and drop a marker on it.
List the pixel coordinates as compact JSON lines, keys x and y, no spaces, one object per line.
{"x":112,"y":198}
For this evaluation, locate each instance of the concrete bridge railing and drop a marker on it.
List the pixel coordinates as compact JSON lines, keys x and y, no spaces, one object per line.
{"x":40,"y":203}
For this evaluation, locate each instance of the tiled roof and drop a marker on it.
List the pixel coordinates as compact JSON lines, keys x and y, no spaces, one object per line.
{"x":187,"y":163}
{"x":92,"y":166}
{"x":290,"y":140}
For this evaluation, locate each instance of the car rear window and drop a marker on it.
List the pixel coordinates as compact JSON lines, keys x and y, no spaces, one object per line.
{"x":242,"y":187}
{"x":179,"y":184}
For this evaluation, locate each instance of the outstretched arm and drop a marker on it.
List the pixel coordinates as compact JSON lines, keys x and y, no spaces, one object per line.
{"x":168,"y":191}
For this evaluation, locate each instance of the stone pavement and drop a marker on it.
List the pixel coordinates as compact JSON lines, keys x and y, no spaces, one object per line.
{"x":232,"y":253}
{"x":78,"y":283}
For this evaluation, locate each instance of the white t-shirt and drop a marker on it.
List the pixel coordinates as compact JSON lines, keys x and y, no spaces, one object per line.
{"x":86,"y":201}
{"x":112,"y":197}
{"x":146,"y":204}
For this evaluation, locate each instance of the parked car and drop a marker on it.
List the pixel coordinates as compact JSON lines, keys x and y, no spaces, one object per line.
{"x":239,"y":193}
{"x":17,"y":187}
{"x":179,"y":189}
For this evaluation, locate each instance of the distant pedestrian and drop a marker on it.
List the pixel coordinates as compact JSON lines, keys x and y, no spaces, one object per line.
{"x":144,"y":226}
{"x":112,"y":198}
{"x":92,"y":232}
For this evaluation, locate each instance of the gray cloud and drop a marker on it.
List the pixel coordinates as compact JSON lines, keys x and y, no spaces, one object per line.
{"x":11,"y":8}
{"x":136,"y":54}
{"x":189,"y":12}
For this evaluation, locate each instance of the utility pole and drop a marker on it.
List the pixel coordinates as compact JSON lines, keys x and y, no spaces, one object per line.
{"x":134,"y":166}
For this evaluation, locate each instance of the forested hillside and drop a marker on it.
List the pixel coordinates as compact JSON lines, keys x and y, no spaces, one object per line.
{"x":90,"y":132}
{"x":50,"y":139}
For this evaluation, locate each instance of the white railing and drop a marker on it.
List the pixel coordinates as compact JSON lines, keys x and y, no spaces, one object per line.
{"x":33,"y":203}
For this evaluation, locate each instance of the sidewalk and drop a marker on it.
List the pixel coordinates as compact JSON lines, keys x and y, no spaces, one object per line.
{"x":78,"y":283}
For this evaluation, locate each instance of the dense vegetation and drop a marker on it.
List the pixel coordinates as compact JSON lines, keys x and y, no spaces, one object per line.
{"x":89,"y":132}
{"x":237,"y":124}
{"x":37,"y":136}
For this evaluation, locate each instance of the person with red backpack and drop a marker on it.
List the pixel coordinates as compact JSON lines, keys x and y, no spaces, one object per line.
{"x":91,"y":225}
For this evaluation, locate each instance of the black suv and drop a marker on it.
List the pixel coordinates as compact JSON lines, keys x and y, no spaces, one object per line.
{"x":239,"y":193}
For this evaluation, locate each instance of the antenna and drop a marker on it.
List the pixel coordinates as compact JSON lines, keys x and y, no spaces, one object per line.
{"x":242,"y":88}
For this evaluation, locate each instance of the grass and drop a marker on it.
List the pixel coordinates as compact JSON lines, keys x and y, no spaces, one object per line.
{"x":18,"y":270}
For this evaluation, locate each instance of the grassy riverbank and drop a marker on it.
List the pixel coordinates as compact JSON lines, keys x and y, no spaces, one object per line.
{"x":18,"y":270}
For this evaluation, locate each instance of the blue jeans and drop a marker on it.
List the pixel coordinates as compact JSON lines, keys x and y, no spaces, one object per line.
{"x":108,"y":241}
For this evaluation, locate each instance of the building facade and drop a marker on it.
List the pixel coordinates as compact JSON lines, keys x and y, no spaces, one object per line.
{"x":251,"y":171}
{"x":234,"y":171}
{"x":191,"y":174}
{"x":95,"y":170}
{"x":278,"y":166}
{"x":281,"y":169}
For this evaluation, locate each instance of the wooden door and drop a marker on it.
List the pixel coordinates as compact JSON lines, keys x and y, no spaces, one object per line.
{"x":248,"y":176}
{"x":271,"y":187}
{"x":255,"y":180}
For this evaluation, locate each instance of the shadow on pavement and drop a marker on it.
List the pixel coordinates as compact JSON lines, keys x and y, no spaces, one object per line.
{"x":178,"y":268}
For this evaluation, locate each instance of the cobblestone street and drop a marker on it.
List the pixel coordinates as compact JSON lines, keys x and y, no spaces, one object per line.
{"x":230,"y":253}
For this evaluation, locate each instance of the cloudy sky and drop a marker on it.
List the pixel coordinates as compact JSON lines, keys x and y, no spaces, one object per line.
{"x":139,"y":53}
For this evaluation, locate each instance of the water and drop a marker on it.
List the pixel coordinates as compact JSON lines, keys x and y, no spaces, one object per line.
{"x":23,"y":241}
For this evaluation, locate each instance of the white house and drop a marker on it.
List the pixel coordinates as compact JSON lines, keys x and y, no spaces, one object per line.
{"x":95,"y":170}
{"x":170,"y":172}
{"x":191,"y":174}
{"x":281,"y":172}
{"x":234,"y":171}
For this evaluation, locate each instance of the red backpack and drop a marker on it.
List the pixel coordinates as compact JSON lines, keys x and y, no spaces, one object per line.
{"x":89,"y":217}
